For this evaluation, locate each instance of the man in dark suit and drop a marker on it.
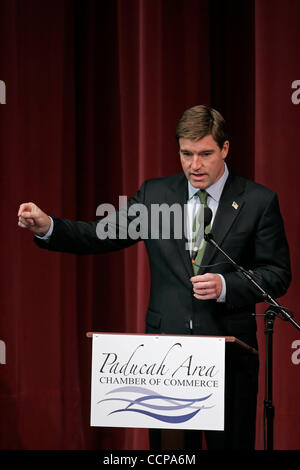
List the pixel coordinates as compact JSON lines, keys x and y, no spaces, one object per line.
{"x":207,"y":297}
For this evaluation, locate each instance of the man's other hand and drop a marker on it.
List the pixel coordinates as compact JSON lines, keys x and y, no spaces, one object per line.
{"x":207,"y":286}
{"x":33,"y":218}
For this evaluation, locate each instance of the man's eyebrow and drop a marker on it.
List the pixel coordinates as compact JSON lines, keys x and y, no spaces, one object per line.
{"x":206,"y":151}
{"x":198,"y":153}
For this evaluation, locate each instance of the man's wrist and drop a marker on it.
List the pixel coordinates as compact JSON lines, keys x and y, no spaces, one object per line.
{"x":46,"y":235}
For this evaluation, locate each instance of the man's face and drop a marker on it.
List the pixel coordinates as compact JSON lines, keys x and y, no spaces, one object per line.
{"x":202,"y":160}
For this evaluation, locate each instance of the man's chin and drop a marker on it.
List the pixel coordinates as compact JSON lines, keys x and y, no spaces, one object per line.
{"x":200,"y":183}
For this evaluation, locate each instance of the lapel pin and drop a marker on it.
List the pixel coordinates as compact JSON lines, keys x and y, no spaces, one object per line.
{"x":235,"y":205}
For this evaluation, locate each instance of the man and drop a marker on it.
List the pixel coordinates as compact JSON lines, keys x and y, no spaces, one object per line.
{"x":207,"y":297}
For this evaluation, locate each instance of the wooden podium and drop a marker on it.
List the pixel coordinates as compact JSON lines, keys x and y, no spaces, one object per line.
{"x":230,"y":340}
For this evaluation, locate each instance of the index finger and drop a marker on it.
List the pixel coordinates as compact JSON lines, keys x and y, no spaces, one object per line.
{"x":25,"y":207}
{"x":200,"y":277}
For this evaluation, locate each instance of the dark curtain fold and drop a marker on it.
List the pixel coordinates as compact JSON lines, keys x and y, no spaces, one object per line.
{"x":94,"y":91}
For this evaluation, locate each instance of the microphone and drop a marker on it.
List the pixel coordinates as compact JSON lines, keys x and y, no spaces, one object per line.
{"x":207,"y":216}
{"x":199,"y":237}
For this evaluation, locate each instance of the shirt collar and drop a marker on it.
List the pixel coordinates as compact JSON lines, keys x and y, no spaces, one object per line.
{"x":214,"y":190}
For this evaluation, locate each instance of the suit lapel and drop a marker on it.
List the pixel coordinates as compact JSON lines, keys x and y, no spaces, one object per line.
{"x":230,"y":205}
{"x":178,"y":194}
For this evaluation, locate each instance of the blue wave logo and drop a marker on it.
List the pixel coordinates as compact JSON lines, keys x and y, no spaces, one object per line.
{"x":158,"y":406}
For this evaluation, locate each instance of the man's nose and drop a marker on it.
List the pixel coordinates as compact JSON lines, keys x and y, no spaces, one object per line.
{"x":196,"y":162}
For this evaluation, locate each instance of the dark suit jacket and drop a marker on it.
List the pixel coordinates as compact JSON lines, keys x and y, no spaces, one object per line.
{"x":250,"y":231}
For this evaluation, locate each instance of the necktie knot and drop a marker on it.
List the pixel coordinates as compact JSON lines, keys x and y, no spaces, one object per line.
{"x":202,"y":194}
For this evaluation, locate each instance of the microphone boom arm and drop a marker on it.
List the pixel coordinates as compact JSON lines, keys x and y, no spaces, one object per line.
{"x":247,"y":274}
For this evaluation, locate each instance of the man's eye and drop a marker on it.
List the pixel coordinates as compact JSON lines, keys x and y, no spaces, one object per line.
{"x":186,"y":154}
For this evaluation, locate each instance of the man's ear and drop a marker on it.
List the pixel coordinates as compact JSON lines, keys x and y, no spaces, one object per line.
{"x":225,"y":149}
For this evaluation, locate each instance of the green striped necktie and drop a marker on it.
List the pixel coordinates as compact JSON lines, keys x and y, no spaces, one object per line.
{"x":202,"y":194}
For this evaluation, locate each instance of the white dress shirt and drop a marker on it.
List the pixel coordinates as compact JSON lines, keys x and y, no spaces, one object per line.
{"x":214,"y":193}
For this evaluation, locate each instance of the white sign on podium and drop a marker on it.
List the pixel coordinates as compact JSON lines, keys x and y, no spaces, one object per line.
{"x":148,"y":381}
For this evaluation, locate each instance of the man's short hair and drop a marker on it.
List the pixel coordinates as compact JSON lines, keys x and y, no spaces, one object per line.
{"x":200,"y":121}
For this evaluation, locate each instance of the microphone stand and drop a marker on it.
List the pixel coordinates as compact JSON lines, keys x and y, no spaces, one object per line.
{"x":269,"y":317}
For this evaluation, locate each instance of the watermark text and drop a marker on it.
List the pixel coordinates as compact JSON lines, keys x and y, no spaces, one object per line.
{"x":2,"y":92}
{"x":2,"y":352}
{"x":295,"y":97}
{"x":296,"y":354}
{"x":137,"y":221}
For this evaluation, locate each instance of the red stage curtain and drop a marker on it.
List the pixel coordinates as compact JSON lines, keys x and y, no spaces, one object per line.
{"x":277,"y":121}
{"x":94,"y":91}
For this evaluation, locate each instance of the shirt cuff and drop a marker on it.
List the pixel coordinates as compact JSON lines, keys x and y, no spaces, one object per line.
{"x":46,"y":236}
{"x":222,"y":297}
